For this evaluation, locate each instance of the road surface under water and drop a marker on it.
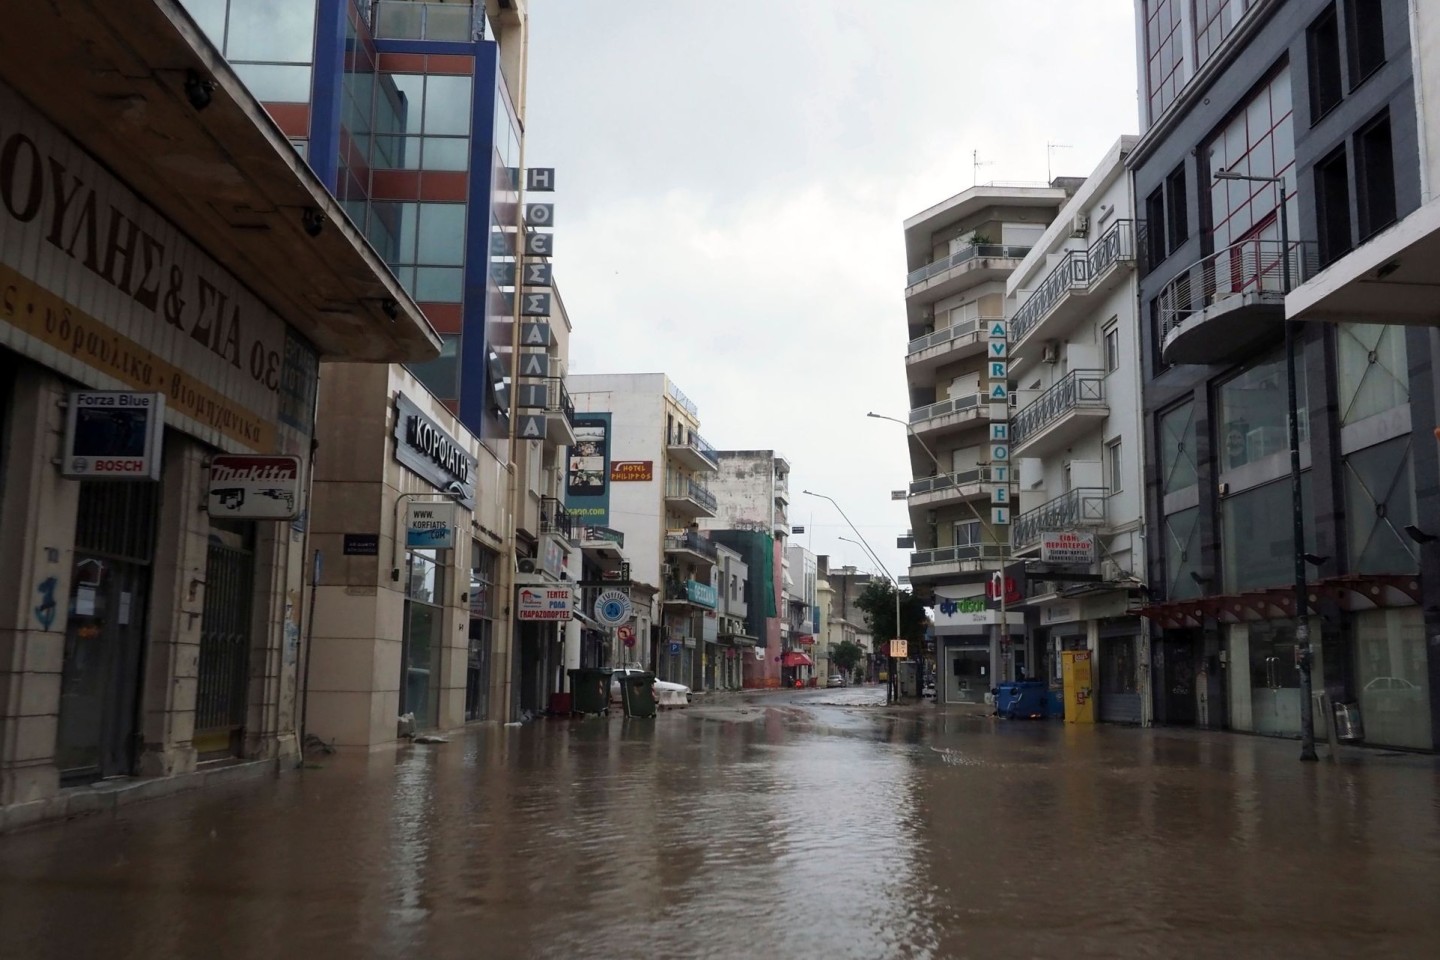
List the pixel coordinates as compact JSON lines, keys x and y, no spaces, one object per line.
{"x":773,"y":825}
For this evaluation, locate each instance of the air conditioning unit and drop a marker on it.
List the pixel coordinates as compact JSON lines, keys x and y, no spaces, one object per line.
{"x":527,"y":565}
{"x":1110,"y":571}
{"x":1050,"y":353}
{"x":1080,"y":226}
{"x":666,"y":569}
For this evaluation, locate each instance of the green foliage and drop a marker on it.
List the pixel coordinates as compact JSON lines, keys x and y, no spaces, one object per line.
{"x":877,"y":601}
{"x":846,"y":655}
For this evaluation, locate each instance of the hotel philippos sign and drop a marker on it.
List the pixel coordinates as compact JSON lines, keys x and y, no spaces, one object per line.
{"x":96,"y":284}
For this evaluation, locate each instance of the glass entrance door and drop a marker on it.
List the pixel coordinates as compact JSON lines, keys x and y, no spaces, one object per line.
{"x":1274,"y":679}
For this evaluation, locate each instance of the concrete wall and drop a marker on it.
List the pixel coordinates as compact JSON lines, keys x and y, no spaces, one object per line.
{"x":1425,"y":52}
{"x":745,"y":490}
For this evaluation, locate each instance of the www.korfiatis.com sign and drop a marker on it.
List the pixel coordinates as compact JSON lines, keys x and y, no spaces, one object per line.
{"x":244,"y":487}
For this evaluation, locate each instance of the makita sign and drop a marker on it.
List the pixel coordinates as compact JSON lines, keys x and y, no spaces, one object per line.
{"x":225,"y":469}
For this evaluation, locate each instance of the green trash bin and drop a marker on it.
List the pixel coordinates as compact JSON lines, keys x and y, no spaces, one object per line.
{"x":590,"y":688}
{"x":637,"y":694}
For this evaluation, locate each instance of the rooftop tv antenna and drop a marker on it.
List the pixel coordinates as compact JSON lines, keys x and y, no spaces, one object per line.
{"x":977,"y":164}
{"x":1050,"y":149}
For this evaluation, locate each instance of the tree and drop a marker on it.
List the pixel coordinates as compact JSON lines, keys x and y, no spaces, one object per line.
{"x":877,"y":602}
{"x":846,"y":655}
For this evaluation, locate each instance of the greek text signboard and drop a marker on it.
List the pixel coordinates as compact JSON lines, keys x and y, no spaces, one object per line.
{"x":545,"y":603}
{"x":1067,"y":547}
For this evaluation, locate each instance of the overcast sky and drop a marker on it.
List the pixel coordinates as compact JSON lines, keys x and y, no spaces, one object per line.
{"x":733,"y":176}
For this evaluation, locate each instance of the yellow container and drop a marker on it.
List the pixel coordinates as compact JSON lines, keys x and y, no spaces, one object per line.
{"x":1079,"y":686}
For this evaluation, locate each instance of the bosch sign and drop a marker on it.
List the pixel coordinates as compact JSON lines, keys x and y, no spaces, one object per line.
{"x":113,"y":435}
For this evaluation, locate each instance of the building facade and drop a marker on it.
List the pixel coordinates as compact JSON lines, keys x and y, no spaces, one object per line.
{"x":845,"y":620}
{"x":1245,"y":103}
{"x":1074,"y":366}
{"x":155,"y":593}
{"x":960,"y":252}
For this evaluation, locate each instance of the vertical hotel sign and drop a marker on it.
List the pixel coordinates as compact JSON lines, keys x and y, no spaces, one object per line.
{"x":998,"y":391}
{"x":97,"y":285}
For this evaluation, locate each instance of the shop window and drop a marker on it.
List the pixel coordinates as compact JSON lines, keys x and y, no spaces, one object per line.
{"x":423,"y":636}
{"x":1392,"y":677}
{"x":1182,"y":555}
{"x":1379,"y":504}
{"x":1177,"y":226}
{"x":1257,"y":535}
{"x":1375,"y":176}
{"x":1177,"y":448}
{"x":1251,"y":412}
{"x":1332,"y":205}
{"x":1365,"y":30}
{"x":1371,"y":373}
{"x":1322,"y":43}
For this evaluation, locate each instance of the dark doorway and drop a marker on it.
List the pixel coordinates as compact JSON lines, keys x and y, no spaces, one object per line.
{"x":224,"y":669}
{"x":1174,"y":669}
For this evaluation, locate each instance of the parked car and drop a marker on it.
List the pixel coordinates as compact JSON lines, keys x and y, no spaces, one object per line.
{"x":669,"y":694}
{"x":835,"y":680}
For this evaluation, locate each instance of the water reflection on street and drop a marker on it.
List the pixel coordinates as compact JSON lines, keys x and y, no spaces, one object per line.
{"x":774,"y":825}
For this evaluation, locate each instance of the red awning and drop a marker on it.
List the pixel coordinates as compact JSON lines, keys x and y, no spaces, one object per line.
{"x":794,"y":658}
{"x":807,"y":639}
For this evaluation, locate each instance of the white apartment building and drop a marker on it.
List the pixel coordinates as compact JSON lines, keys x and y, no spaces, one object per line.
{"x":801,"y":609}
{"x":1076,"y":438}
{"x":641,"y":467}
{"x":960,"y":252}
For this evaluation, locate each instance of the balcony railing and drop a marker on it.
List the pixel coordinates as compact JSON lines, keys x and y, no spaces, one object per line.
{"x":1076,"y":270}
{"x":557,"y":399}
{"x":409,"y":20}
{"x":1081,"y":507}
{"x":681,"y":489}
{"x":964,"y":255}
{"x":698,"y":444}
{"x":953,"y":405}
{"x":1078,"y":388}
{"x":968,"y":551}
{"x":965,"y":328}
{"x":1248,"y":267}
{"x":587,"y":533}
{"x":692,"y":541}
{"x":948,"y":481}
{"x":554,"y":518}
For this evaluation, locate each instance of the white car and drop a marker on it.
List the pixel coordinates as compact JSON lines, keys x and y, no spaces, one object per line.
{"x":669,"y":694}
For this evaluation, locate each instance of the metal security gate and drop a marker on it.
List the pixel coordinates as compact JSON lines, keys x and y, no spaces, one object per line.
{"x":224,"y":671}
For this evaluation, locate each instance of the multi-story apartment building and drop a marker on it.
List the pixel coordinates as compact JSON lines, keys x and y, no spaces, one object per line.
{"x":641,"y":467}
{"x":1243,"y":103}
{"x":752,"y":495}
{"x":845,"y":621}
{"x":960,"y":252}
{"x":724,"y":665}
{"x":150,"y":622}
{"x":801,"y":614}
{"x":1075,"y":438}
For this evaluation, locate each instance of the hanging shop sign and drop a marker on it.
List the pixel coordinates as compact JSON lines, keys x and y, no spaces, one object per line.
{"x":112,"y":435}
{"x":622,"y":471}
{"x":430,"y":526}
{"x":545,"y":603}
{"x":428,"y":451}
{"x":254,"y":487}
{"x":612,"y":608}
{"x":1068,"y":547}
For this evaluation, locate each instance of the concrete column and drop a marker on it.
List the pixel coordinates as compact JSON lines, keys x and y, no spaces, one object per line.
{"x":37,"y":527}
{"x":282,"y":573}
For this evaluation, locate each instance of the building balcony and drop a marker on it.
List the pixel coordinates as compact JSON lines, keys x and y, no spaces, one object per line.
{"x":941,"y":562}
{"x":946,"y":345}
{"x":1058,"y":416}
{"x":951,"y":414}
{"x":692,"y":453}
{"x":559,"y":414}
{"x":782,"y":493}
{"x":1081,"y":508}
{"x":411,"y":20}
{"x":1066,"y":294}
{"x":1231,"y":303}
{"x":947,"y":488}
{"x":554,"y":518}
{"x":960,"y":271}
{"x":780,"y":523}
{"x":691,"y":546}
{"x":689,"y":499}
{"x":601,"y":544}
{"x":691,"y":592}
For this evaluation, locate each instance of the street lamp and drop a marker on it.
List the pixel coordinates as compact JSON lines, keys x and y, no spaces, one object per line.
{"x":889,"y":697}
{"x":1303,"y":656}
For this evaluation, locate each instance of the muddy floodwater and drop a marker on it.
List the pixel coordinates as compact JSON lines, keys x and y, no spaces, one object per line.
{"x":772,"y":825}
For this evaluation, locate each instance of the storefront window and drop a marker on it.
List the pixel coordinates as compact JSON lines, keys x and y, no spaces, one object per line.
{"x":1391,"y":675}
{"x":424,"y":620}
{"x":1371,"y":373}
{"x":1379,"y":503}
{"x":1257,"y":535}
{"x":1177,"y":448}
{"x":483,"y":567}
{"x":1182,"y":554}
{"x":1251,"y":411}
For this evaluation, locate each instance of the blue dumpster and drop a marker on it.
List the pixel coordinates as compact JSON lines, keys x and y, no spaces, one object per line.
{"x":1055,"y":703}
{"x":1022,"y":699}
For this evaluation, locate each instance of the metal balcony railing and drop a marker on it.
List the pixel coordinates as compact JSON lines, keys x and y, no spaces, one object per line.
{"x":1250,"y":266}
{"x":965,"y":328}
{"x":968,"y":551}
{"x":682,"y":489}
{"x":557,"y":399}
{"x":948,"y":481}
{"x":692,"y":541}
{"x":964,"y":255}
{"x":410,"y":20}
{"x":953,"y":405}
{"x":697,"y":443}
{"x":1078,"y":388}
{"x":1081,"y":507}
{"x":594,"y":534}
{"x":1076,"y":270}
{"x":554,"y":518}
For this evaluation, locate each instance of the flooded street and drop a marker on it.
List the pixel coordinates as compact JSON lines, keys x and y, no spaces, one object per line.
{"x":769,"y":825}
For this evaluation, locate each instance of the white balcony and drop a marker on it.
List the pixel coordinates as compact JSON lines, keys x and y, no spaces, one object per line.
{"x":689,"y":499}
{"x":946,"y":345}
{"x":948,"y":488}
{"x":952,"y":414}
{"x":940,"y":563}
{"x":1061,"y":415}
{"x":1074,"y":283}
